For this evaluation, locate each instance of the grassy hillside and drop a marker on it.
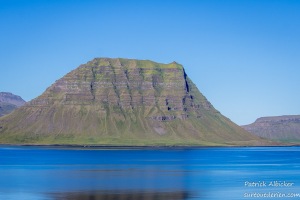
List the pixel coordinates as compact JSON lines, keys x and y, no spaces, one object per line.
{"x":123,"y":102}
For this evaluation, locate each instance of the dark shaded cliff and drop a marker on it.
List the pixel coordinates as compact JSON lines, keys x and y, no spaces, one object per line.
{"x":123,"y":102}
{"x":282,"y":128}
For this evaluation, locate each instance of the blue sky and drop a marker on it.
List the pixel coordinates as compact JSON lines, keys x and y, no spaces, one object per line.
{"x":243,"y":55}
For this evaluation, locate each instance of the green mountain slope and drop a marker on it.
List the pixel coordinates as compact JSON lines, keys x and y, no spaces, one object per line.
{"x":123,"y":102}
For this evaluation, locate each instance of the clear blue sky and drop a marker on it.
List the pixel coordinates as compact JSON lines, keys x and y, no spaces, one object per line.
{"x":243,"y":55}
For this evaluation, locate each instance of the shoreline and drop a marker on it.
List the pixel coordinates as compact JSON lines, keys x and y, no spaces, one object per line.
{"x":69,"y":146}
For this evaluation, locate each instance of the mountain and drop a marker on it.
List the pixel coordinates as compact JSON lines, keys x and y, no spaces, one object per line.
{"x":283,"y":128}
{"x":123,"y":102}
{"x":9,"y":102}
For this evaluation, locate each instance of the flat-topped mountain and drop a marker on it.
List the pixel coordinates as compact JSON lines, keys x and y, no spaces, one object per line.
{"x":123,"y":102}
{"x":283,"y":128}
{"x":9,"y":102}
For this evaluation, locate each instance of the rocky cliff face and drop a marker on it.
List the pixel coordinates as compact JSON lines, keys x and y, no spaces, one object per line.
{"x":9,"y":102}
{"x":283,"y":128}
{"x":123,"y":102}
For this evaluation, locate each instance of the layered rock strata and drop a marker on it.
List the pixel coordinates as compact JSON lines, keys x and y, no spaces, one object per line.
{"x":123,"y":102}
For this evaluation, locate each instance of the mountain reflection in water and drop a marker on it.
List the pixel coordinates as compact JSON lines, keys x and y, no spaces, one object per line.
{"x":116,"y":195}
{"x":57,"y":173}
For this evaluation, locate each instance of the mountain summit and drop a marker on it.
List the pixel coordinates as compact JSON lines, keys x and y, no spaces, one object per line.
{"x":122,"y":102}
{"x":9,"y":102}
{"x":284,"y":128}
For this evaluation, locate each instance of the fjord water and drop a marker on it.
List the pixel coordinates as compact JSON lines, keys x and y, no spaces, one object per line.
{"x":54,"y":173}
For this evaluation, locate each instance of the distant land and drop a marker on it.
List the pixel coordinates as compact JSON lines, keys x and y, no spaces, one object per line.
{"x":123,"y":102}
{"x":9,"y":102}
{"x":282,"y":128}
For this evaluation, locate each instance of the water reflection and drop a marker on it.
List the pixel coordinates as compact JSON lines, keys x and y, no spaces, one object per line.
{"x":117,"y":195}
{"x":28,"y":173}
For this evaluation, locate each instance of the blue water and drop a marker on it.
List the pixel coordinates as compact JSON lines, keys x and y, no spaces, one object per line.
{"x":161,"y":173}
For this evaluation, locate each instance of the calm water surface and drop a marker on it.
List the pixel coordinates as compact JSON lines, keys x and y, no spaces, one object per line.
{"x":168,"y":173}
